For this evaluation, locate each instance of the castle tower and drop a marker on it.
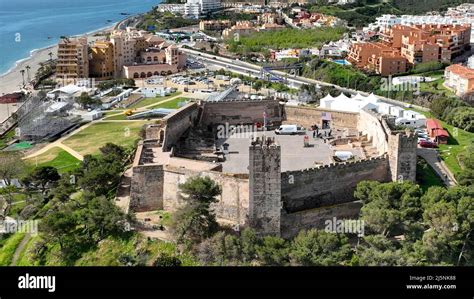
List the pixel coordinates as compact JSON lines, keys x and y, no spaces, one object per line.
{"x":265,"y":186}
{"x":402,"y":156}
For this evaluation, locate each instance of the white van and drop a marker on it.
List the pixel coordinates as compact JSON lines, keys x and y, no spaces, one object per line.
{"x":289,"y":130}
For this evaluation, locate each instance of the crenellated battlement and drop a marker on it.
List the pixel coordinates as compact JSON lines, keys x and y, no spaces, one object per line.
{"x":336,"y":166}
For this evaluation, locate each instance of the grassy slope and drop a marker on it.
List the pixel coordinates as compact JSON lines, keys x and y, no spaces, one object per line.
{"x":8,"y":249}
{"x":6,"y":138}
{"x":426,"y":176}
{"x":149,"y":101}
{"x":89,"y":140}
{"x":108,"y":252}
{"x":422,"y":6}
{"x":457,"y":143}
{"x":56,"y":157}
{"x":173,"y":104}
{"x":286,"y":38}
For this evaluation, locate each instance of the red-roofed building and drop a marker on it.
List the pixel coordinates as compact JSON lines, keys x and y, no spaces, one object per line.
{"x":436,"y":131}
{"x":459,"y":78}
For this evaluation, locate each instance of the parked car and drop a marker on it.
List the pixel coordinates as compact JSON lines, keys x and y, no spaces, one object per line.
{"x":427,"y":144}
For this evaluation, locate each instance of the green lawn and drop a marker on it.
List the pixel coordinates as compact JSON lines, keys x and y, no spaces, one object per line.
{"x":457,"y":143}
{"x":436,"y":86}
{"x":89,"y":140}
{"x":56,"y":157}
{"x":149,"y":101}
{"x":120,"y":116}
{"x":8,"y":248}
{"x":173,"y":104}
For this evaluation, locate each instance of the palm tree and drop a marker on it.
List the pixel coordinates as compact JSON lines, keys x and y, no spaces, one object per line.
{"x":23,"y":76}
{"x":28,"y":72}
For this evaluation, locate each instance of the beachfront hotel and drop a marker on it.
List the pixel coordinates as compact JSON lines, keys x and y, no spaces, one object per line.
{"x":139,"y":54}
{"x":73,"y":59}
{"x":101,"y":64}
{"x":128,"y":53}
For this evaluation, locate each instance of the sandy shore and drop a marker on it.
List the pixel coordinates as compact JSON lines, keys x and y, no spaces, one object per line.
{"x":13,"y":81}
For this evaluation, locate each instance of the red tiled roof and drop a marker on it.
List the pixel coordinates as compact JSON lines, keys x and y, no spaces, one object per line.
{"x":433,"y":124}
{"x":441,"y":132}
{"x":460,"y":70}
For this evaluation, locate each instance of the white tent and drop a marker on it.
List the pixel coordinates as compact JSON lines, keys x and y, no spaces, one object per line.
{"x":326,"y":101}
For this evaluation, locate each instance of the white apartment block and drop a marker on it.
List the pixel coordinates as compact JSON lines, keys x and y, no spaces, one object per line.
{"x":196,"y":8}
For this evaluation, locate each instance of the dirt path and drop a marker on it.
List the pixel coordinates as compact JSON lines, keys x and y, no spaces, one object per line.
{"x":19,"y":249}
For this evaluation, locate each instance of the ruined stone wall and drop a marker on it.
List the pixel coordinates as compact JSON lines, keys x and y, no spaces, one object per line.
{"x":240,"y":112}
{"x":370,"y":124}
{"x":306,"y":117}
{"x":265,"y":187}
{"x":232,"y":207}
{"x":293,"y":223}
{"x":329,"y":184}
{"x":146,"y":189}
{"x":177,"y":123}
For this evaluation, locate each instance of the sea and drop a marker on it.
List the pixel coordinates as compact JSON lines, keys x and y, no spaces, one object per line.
{"x":29,"y":25}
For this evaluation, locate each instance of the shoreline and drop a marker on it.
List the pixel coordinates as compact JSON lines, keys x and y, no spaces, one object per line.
{"x":11,"y":80}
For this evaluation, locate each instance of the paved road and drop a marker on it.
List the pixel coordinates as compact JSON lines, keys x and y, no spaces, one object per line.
{"x":246,"y":68}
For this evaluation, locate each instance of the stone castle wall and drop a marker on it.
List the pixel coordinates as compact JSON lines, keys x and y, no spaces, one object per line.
{"x":293,"y":223}
{"x":146,"y":189}
{"x":370,"y":124}
{"x":177,"y":123}
{"x":329,"y":184}
{"x":265,"y":186}
{"x":233,"y":205}
{"x":306,"y":117}
{"x":267,"y":200}
{"x":240,"y":112}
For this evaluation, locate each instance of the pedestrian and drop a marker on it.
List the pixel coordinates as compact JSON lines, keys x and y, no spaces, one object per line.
{"x":314,"y":134}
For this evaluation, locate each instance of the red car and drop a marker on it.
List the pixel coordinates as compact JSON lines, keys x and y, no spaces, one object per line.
{"x":428,"y":144}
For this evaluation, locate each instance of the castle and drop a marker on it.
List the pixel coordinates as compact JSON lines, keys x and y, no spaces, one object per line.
{"x":269,"y":196}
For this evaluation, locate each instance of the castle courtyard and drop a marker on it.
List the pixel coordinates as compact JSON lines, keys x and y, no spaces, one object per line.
{"x":294,"y":155}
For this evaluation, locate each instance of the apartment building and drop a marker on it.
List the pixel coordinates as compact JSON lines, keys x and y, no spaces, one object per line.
{"x":378,"y":58}
{"x":127,"y":44}
{"x":424,"y":43}
{"x":459,"y":78}
{"x":403,"y":46}
{"x":101,"y":64}
{"x":214,"y":25}
{"x":241,"y":28}
{"x":197,"y":8}
{"x":270,"y":18}
{"x":160,"y":61}
{"x":73,"y":59}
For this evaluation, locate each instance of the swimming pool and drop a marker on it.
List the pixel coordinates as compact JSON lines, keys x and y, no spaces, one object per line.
{"x":341,"y":61}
